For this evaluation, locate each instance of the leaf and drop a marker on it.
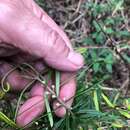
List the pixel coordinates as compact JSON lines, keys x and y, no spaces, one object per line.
{"x":94,"y":55}
{"x":67,"y":121}
{"x":49,"y":76}
{"x":124,"y":113}
{"x":96,"y":67}
{"x":127,"y":103}
{"x":116,"y":98}
{"x":109,"y":21}
{"x":109,"y":59}
{"x":126,"y":58}
{"x":88,"y":41}
{"x":49,"y":113}
{"x":100,"y":38}
{"x":97,"y":27}
{"x":109,"y":30}
{"x":128,"y":107}
{"x":117,"y":125}
{"x":59,"y":123}
{"x":124,"y":33}
{"x":57,"y":80}
{"x":123,"y":46}
{"x":109,"y":67}
{"x":81,"y":50}
{"x":80,"y":128}
{"x":119,"y":6}
{"x":100,"y":128}
{"x":109,"y":103}
{"x":95,"y":99}
{"x":4,"y":118}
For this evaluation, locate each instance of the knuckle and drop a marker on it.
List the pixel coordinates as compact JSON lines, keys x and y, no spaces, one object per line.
{"x":57,"y":44}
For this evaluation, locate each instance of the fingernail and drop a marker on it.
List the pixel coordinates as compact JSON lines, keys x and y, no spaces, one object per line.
{"x":76,"y":59}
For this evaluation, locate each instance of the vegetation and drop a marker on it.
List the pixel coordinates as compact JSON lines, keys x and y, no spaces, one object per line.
{"x":102,"y":101}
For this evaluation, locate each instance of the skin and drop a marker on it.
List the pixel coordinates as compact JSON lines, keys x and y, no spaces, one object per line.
{"x":28,"y":34}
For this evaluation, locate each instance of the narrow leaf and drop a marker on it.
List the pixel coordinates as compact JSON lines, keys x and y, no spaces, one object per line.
{"x":81,"y":50}
{"x":127,"y":103}
{"x":50,"y":117}
{"x":117,"y":125}
{"x":116,"y":98}
{"x":4,"y":118}
{"x":96,"y":67}
{"x":124,"y":113}
{"x":57,"y":78}
{"x":95,"y":99}
{"x":99,"y":128}
{"x":109,"y":103}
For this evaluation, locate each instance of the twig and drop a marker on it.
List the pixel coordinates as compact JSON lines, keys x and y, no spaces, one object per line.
{"x":95,"y":47}
{"x":78,"y":18}
{"x":79,"y":4}
{"x":4,"y":78}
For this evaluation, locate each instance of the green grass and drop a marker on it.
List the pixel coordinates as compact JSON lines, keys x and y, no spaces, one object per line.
{"x":97,"y":104}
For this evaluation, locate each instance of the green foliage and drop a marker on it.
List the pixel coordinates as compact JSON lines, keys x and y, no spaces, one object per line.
{"x":105,"y":24}
{"x":57,"y":80}
{"x":50,"y":117}
{"x":4,"y":118}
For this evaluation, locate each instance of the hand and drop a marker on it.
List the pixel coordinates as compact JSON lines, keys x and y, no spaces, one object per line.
{"x":25,"y":26}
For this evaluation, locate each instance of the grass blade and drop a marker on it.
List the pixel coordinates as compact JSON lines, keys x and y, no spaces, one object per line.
{"x":57,"y":80}
{"x":109,"y":103}
{"x":4,"y":118}
{"x":125,"y":113}
{"x":117,"y":125}
{"x":95,"y":99}
{"x":50,"y":117}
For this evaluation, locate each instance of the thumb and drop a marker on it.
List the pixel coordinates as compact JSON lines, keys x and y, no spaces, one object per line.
{"x":23,"y":29}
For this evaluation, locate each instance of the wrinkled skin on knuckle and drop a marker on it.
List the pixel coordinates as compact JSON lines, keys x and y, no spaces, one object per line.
{"x":56,"y":45}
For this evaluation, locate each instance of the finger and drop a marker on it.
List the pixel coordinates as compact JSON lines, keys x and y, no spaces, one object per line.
{"x":42,"y":38}
{"x":33,"y":107}
{"x":67,"y":93}
{"x":37,"y":90}
{"x":15,"y":79}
